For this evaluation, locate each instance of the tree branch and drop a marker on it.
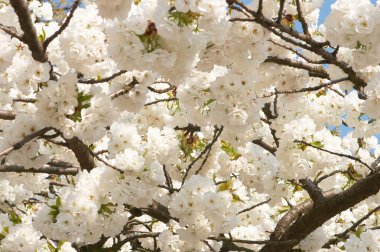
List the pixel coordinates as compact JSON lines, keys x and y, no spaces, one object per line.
{"x":161,"y":100}
{"x":319,"y":70}
{"x":125,"y":90}
{"x":301,"y":18}
{"x":260,"y":142}
{"x":311,"y":44}
{"x":62,"y":27}
{"x":11,"y":31}
{"x":49,"y":169}
{"x":280,"y":11}
{"x":106,"y":79}
{"x":217,"y":133}
{"x":344,"y":234}
{"x":293,"y":214}
{"x":313,"y":190}
{"x":337,"y":154}
{"x":81,"y":152}
{"x":26,"y":139}
{"x":254,"y":206}
{"x":283,"y":242}
{"x":307,"y":89}
{"x":260,"y":8}
{"x":327,"y":209}
{"x":7,"y":115}
{"x":30,"y":35}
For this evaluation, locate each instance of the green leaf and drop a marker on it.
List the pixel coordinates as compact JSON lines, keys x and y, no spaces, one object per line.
{"x":4,"y":233}
{"x":236,"y":198}
{"x":225,"y":186}
{"x":51,"y":247}
{"x":184,"y":19}
{"x":54,"y":209}
{"x":283,"y":209}
{"x":208,"y":102}
{"x":42,"y":37}
{"x":321,"y":92}
{"x":60,"y":244}
{"x":231,"y":151}
{"x":83,"y":103}
{"x":13,"y":217}
{"x":359,"y":45}
{"x":317,"y":144}
{"x":107,"y":209}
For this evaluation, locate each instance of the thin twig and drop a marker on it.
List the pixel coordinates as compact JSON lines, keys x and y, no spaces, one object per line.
{"x":62,"y":27}
{"x":161,"y":100}
{"x":125,"y":90}
{"x":344,"y":234}
{"x":216,"y":136}
{"x":280,"y":11}
{"x":105,"y":162}
{"x":26,"y":100}
{"x":253,"y":241}
{"x":217,"y":133}
{"x":209,"y":246}
{"x":254,"y":206}
{"x":106,"y":79}
{"x":306,"y":89}
{"x":168,"y":179}
{"x":162,"y":91}
{"x":11,"y":31}
{"x":301,"y":18}
{"x":299,"y":54}
{"x":319,"y":70}
{"x":319,"y":180}
{"x":335,"y":153}
{"x":48,"y":169}
{"x":260,"y":142}
{"x":25,"y":140}
{"x":7,"y":115}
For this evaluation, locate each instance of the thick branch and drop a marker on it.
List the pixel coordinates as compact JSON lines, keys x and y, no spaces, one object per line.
{"x":293,"y":214}
{"x":327,"y":209}
{"x":313,"y":190}
{"x":82,"y":153}
{"x":260,"y":8}
{"x":30,"y":35}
